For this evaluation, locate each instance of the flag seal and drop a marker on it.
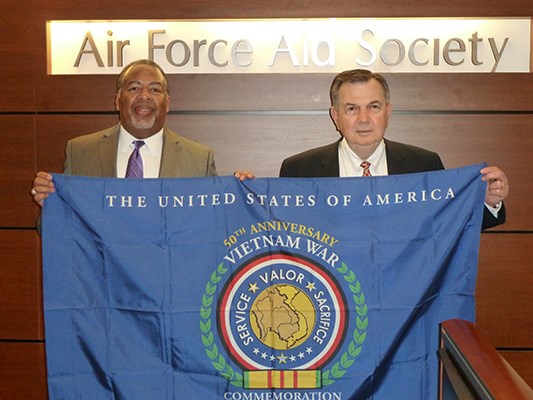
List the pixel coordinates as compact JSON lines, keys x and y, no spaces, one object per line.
{"x":282,"y":319}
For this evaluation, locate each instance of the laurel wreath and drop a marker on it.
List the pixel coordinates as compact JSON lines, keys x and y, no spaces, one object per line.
{"x":329,"y":376}
{"x":208,"y":339}
{"x":359,"y":334}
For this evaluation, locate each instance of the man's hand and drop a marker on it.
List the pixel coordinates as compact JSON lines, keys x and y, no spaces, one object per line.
{"x":243,"y":175}
{"x":498,"y":185}
{"x":42,"y":187}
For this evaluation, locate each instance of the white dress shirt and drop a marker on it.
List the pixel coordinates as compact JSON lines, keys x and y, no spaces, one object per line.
{"x":150,"y":153}
{"x":350,"y":163}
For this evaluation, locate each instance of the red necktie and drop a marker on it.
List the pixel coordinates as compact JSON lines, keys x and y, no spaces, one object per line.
{"x":366,"y":168}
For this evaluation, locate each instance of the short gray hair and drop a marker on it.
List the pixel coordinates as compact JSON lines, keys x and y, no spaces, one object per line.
{"x":356,"y":76}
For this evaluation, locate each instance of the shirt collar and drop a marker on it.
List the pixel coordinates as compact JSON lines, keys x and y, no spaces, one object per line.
{"x":153,"y":144}
{"x":374,"y":158}
{"x":349,"y":162}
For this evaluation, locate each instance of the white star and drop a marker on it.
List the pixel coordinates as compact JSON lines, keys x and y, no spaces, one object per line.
{"x":282,"y":359}
{"x":253,"y":287}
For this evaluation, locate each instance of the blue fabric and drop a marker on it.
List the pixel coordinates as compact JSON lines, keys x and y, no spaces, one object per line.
{"x":177,"y":288}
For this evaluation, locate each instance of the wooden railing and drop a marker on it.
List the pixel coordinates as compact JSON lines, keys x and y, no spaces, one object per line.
{"x":471,"y":368}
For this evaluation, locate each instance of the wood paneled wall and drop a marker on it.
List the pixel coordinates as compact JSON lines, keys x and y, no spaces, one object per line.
{"x":254,"y":122}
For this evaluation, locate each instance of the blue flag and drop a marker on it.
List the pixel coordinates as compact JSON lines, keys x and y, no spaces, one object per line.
{"x":289,"y":289}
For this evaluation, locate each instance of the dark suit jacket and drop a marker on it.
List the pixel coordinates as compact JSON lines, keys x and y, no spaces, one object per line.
{"x":96,"y":155}
{"x":401,"y":159}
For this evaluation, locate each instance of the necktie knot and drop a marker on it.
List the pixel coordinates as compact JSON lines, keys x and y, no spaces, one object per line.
{"x":135,"y":162}
{"x":366,"y":168}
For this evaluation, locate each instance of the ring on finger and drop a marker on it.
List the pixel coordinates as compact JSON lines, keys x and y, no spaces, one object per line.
{"x":33,"y":191}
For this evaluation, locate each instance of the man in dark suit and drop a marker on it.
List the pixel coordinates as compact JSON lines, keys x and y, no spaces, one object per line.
{"x":360,"y":109}
{"x":142,"y":100}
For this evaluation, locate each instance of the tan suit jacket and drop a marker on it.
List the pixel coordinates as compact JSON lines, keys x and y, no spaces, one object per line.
{"x":95,"y":155}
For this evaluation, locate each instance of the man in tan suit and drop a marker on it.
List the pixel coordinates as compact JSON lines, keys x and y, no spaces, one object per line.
{"x":142,"y":100}
{"x":96,"y":155}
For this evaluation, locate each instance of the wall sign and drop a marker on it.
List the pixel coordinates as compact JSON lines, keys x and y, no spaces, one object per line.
{"x":292,"y":45}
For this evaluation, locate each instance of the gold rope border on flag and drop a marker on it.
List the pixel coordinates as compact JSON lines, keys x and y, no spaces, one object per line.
{"x":329,"y":376}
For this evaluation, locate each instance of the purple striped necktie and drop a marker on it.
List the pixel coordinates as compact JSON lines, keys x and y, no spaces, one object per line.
{"x":135,"y":162}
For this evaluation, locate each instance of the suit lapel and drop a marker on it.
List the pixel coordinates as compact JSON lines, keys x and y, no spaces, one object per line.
{"x":329,"y":164}
{"x":170,"y":159}
{"x":395,"y":159}
{"x":108,"y":152}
